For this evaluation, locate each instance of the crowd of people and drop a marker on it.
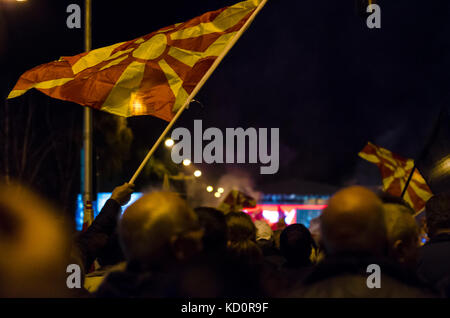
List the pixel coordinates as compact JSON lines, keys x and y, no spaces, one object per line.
{"x":162,"y":247}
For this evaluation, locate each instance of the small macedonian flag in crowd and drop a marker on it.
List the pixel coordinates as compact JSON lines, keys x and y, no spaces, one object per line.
{"x":151,"y":75}
{"x":395,"y":171}
{"x":236,"y":201}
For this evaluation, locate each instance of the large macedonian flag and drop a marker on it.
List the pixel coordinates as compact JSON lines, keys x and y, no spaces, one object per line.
{"x":151,"y":75}
{"x":395,"y":171}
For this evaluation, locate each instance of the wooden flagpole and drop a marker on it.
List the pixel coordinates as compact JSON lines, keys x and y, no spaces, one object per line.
{"x":197,"y":89}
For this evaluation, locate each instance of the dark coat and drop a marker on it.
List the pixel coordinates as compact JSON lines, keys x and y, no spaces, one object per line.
{"x":434,"y":259}
{"x":202,"y":277}
{"x":346,"y":277}
{"x":88,"y":244}
{"x":131,"y":284}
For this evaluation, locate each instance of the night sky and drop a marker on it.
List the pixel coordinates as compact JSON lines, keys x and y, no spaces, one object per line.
{"x":311,"y":68}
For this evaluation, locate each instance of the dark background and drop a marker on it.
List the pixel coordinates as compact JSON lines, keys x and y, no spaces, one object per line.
{"x":311,"y":68}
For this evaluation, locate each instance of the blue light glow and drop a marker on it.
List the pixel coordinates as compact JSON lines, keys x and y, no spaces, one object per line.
{"x":102,"y":197}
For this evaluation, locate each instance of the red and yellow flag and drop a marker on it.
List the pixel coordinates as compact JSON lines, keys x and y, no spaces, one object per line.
{"x":395,"y":171}
{"x":151,"y":75}
{"x":235,"y":201}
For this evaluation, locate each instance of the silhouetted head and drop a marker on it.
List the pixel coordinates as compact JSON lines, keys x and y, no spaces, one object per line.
{"x":215,"y":229}
{"x":34,"y":246}
{"x":242,"y":247}
{"x":296,"y":244}
{"x":353,"y":222}
{"x":402,"y":233}
{"x":159,"y":230}
{"x":437,"y":212}
{"x":240,"y":227}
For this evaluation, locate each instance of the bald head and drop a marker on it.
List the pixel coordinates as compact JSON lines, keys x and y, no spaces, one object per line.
{"x":151,"y":227}
{"x":353,"y":222}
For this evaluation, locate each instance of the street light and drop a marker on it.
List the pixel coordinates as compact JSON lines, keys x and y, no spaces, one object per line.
{"x":197,"y":173}
{"x":220,"y":190}
{"x":209,"y":189}
{"x":217,"y":195}
{"x":169,"y":143}
{"x":186,"y":162}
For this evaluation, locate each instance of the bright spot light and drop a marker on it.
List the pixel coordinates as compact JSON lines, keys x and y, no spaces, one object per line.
{"x":290,"y":216}
{"x":169,"y":142}
{"x":137,"y":106}
{"x":271,"y":216}
{"x":217,"y":195}
{"x":197,"y":173}
{"x":209,"y":189}
{"x":186,"y":162}
{"x":220,"y":190}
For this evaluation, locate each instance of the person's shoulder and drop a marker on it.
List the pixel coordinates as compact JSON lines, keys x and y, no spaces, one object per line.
{"x":116,"y":284}
{"x":440,"y":245}
{"x":355,"y":286}
{"x":395,"y":288}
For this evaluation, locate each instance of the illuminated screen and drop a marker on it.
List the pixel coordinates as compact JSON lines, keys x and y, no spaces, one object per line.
{"x":102,"y":197}
{"x":295,"y":213}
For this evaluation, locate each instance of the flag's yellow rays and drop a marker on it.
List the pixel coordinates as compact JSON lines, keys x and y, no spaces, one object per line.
{"x":114,"y":62}
{"x":191,"y":58}
{"x":418,"y":177}
{"x":225,"y":20}
{"x":94,"y":57}
{"x":43,"y":85}
{"x":424,"y":195}
{"x":370,"y":158}
{"x":185,"y":56}
{"x":388,"y":157}
{"x":169,"y":29}
{"x":402,"y":183}
{"x":387,"y":182}
{"x":406,"y":196}
{"x":17,"y":93}
{"x":389,"y":166}
{"x":118,"y":54}
{"x":175,"y":83}
{"x":119,"y":99}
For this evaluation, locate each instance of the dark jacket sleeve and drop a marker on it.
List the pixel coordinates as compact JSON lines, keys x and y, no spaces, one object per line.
{"x":88,"y":244}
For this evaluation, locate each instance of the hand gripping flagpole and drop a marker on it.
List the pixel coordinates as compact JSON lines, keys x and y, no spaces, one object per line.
{"x":197,"y":89}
